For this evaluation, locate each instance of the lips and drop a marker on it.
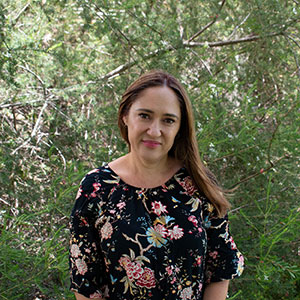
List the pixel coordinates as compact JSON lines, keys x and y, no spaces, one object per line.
{"x":151,"y":144}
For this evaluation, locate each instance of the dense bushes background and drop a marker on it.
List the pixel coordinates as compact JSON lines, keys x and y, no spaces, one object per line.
{"x":63,"y":67}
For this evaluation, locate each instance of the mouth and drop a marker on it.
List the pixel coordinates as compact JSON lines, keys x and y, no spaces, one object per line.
{"x":151,"y":144}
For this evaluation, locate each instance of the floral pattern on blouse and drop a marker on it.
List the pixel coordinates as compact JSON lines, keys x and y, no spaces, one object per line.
{"x":155,"y":243}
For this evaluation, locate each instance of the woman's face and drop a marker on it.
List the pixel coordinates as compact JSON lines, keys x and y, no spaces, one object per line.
{"x":153,"y":121}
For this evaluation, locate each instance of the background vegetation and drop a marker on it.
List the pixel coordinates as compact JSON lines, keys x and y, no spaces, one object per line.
{"x":63,"y":67}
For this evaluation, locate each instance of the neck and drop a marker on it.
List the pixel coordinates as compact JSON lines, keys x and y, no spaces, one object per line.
{"x":141,"y":166}
{"x":147,"y":174}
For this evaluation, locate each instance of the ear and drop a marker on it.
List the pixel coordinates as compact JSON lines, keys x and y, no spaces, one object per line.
{"x":124,"y":119}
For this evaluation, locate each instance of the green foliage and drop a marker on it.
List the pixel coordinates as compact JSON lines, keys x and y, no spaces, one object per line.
{"x":63,"y":68}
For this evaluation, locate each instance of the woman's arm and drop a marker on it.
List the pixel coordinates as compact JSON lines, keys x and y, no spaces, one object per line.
{"x":80,"y":297}
{"x":216,"y":290}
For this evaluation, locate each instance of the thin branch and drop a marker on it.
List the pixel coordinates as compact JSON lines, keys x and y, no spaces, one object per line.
{"x":186,"y":44}
{"x":144,"y":23}
{"x":35,"y":75}
{"x":19,"y":14}
{"x":59,"y":152}
{"x":8,"y":105}
{"x":259,"y":200}
{"x":37,"y":124}
{"x":67,"y":117}
{"x":230,"y":42}
{"x":245,"y":205}
{"x":233,"y":153}
{"x":21,"y":146}
{"x":118,"y":70}
{"x":274,"y":133}
{"x":2,"y":200}
{"x":207,"y":25}
{"x":238,"y":26}
{"x":117,"y":29}
{"x":295,"y":56}
{"x":289,"y":37}
{"x":258,"y":173}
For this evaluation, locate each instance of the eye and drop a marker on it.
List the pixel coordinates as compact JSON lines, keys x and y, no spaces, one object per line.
{"x":143,"y":116}
{"x":169,"y":121}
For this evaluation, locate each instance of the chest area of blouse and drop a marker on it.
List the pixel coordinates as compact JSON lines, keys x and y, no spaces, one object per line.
{"x":151,"y":220}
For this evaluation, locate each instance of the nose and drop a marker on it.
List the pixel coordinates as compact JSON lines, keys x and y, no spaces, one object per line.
{"x":154,"y":129}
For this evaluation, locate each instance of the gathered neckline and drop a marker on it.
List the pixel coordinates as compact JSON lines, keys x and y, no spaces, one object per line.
{"x":121,"y":181}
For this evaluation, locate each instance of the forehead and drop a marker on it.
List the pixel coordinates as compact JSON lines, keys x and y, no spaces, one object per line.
{"x":162,"y":99}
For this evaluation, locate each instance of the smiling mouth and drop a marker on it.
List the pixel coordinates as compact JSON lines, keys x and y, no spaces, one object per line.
{"x":151,"y":144}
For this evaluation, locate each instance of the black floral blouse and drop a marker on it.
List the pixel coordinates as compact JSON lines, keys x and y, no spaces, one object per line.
{"x":155,"y":243}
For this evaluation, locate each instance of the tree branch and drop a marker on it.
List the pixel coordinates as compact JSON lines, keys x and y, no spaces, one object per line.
{"x":230,"y":42}
{"x":259,"y":200}
{"x":238,"y":26}
{"x":186,"y":44}
{"x":258,"y":173}
{"x":287,"y":37}
{"x":37,"y":124}
{"x":233,"y":153}
{"x":274,"y":133}
{"x":207,"y":25}
{"x":19,"y":14}
{"x":8,"y":105}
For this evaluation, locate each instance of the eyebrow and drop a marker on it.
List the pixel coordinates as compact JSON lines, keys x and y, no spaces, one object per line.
{"x":150,"y":111}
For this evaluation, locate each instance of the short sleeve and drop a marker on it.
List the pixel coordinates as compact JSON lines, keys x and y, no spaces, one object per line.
{"x":87,"y":267}
{"x":223,"y":261}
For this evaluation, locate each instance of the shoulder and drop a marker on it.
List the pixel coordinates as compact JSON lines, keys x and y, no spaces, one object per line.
{"x":95,"y":183}
{"x":99,"y":177}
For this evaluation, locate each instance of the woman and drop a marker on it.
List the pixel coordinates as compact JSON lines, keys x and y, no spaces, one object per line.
{"x":152,"y":224}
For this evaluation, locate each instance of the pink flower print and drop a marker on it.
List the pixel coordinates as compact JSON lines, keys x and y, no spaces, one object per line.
{"x":198,"y":260}
{"x":213,"y":254}
{"x":158,"y":208}
{"x":173,"y":280}
{"x":96,"y":296}
{"x":121,"y":205}
{"x":147,"y":280}
{"x":232,"y":243}
{"x":161,"y":229}
{"x":75,"y":251}
{"x":106,"y":231}
{"x":188,"y":185}
{"x":78,"y":193}
{"x":169,"y":270}
{"x":193,"y":219}
{"x":134,"y":270}
{"x":81,"y":266}
{"x":186,"y":293}
{"x":96,"y":186}
{"x":124,"y":261}
{"x":175,"y":233}
{"x":200,"y":287}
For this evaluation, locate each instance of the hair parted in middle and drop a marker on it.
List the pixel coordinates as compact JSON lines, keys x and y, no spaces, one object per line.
{"x":185,"y":147}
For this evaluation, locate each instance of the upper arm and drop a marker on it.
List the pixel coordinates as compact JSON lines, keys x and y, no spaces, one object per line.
{"x":224,"y":261}
{"x":86,"y":260}
{"x":216,"y":290}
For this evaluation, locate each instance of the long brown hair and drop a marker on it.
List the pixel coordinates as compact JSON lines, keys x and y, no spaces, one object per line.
{"x":185,"y":147}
